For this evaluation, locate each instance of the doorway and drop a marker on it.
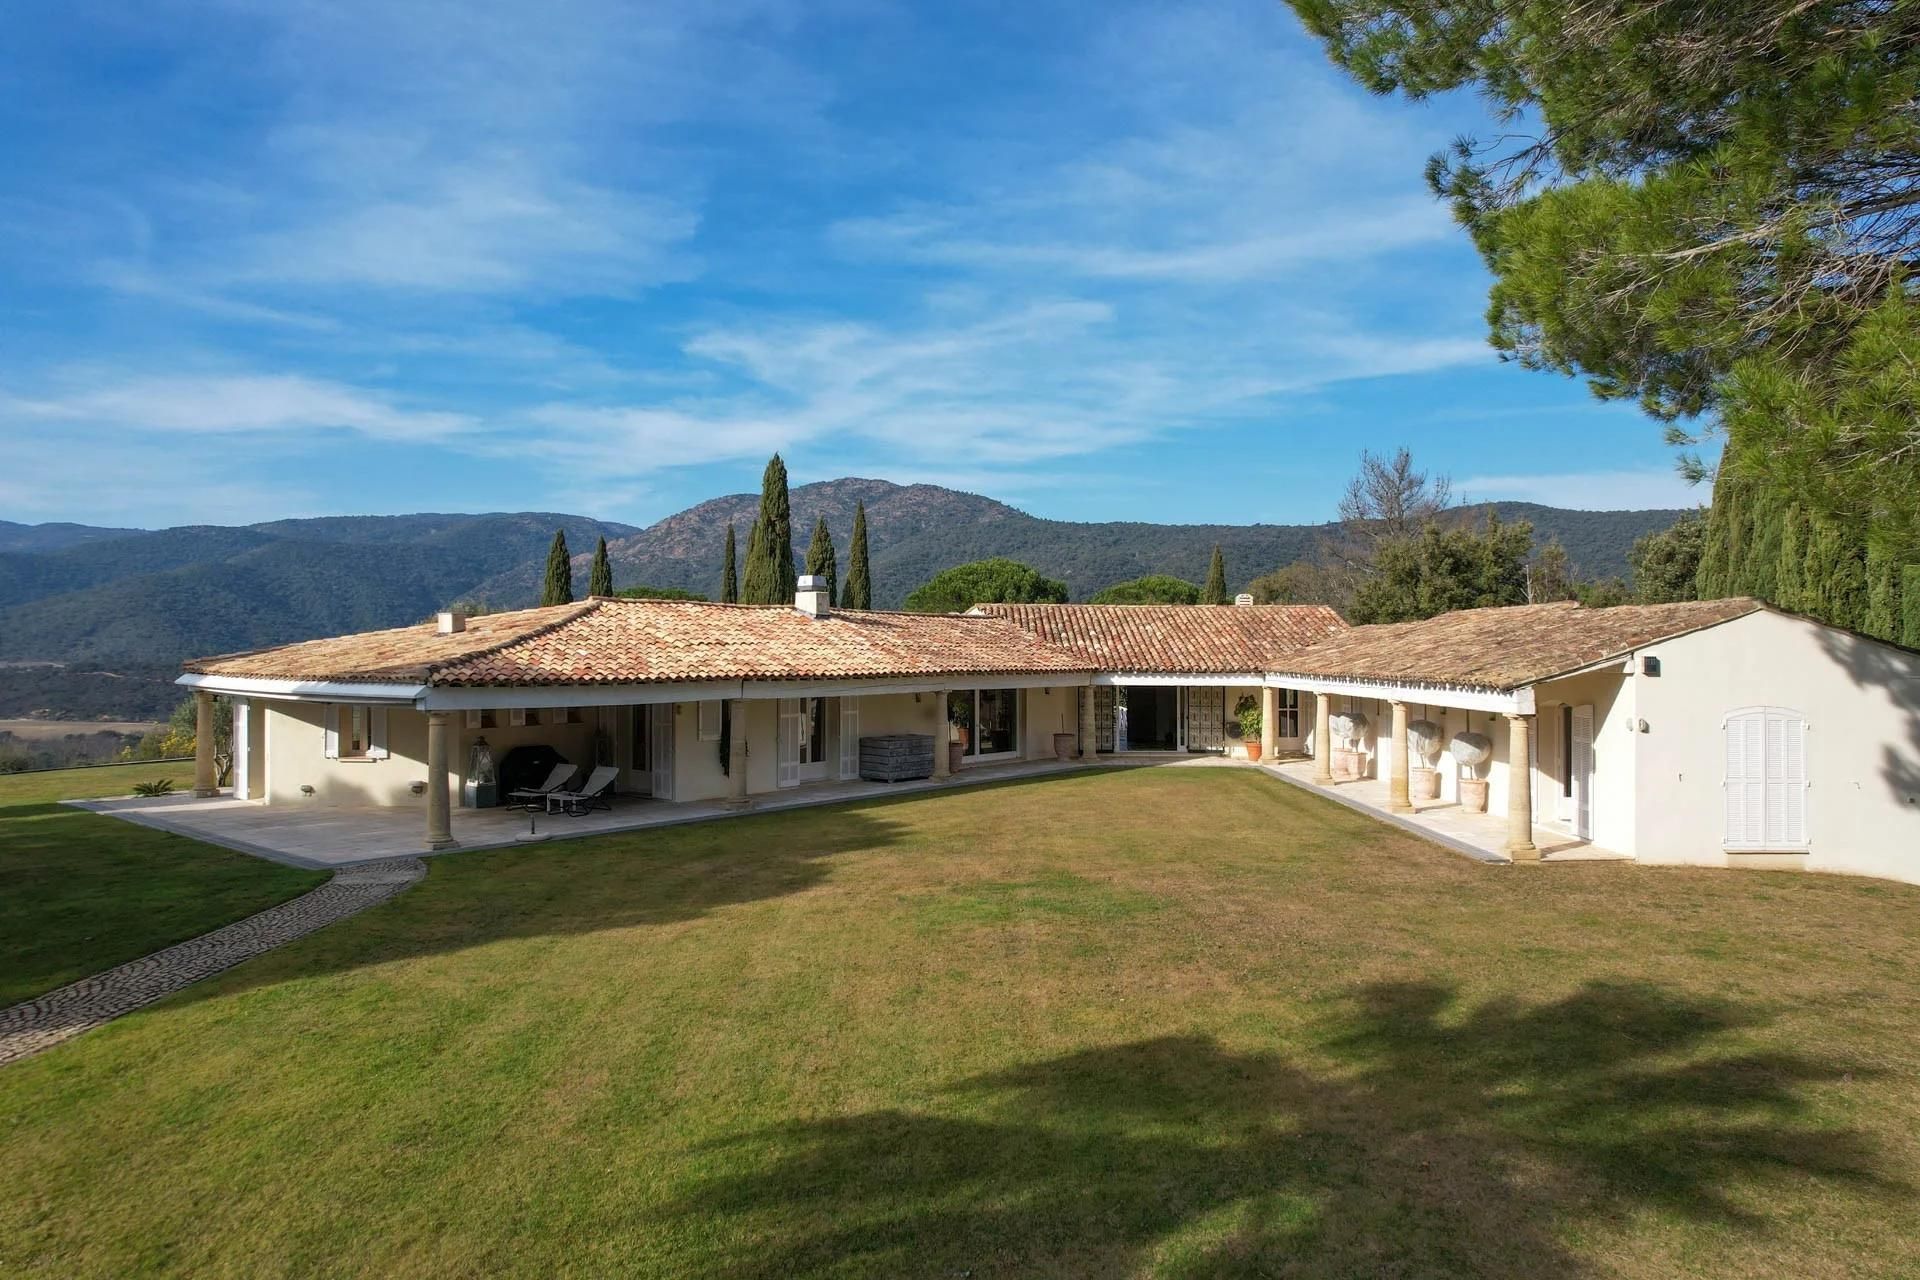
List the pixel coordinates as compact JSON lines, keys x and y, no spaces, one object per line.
{"x":1146,"y":718}
{"x":1573,"y":801}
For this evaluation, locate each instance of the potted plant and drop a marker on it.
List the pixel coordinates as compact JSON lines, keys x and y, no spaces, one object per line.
{"x":1064,"y":745}
{"x":1349,"y":761}
{"x":1247,"y":712}
{"x":1472,"y":750}
{"x":1423,"y":744}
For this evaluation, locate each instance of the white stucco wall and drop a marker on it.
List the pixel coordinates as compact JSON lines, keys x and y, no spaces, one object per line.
{"x":1861,"y":702}
{"x":1615,"y":803}
{"x":296,"y":757}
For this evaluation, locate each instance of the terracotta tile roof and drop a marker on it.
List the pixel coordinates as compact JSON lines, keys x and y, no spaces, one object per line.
{"x":401,"y":655}
{"x":1174,"y":639}
{"x":640,"y":641}
{"x":1503,"y":648}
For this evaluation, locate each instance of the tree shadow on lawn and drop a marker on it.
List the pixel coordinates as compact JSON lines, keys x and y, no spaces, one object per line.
{"x":574,"y":887}
{"x":1440,"y":1143}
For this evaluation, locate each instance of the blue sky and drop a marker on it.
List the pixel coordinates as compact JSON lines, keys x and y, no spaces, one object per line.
{"x":295,"y":257}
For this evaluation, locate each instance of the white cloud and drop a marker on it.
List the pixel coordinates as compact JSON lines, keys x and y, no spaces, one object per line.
{"x":1586,"y":490}
{"x":238,"y":404}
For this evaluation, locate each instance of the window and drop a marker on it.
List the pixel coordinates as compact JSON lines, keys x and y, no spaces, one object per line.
{"x":1288,"y":725}
{"x":356,"y":731}
{"x":1766,"y":779}
{"x":989,"y":719}
{"x":710,"y":713}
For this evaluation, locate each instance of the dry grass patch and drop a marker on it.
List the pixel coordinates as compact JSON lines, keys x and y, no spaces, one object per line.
{"x":1167,"y":1022}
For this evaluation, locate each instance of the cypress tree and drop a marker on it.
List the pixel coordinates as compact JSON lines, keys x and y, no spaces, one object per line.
{"x":729,"y":573}
{"x":559,"y":586}
{"x":600,"y":577}
{"x":1910,"y":606}
{"x":1882,"y":620}
{"x":821,"y":560}
{"x":858,"y":593}
{"x":770,"y":577}
{"x":1789,"y":588}
{"x":1215,"y":592}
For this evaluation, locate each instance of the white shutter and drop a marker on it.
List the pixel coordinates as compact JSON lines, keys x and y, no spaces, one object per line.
{"x":330,"y":729}
{"x":793,"y":717}
{"x":710,"y":720}
{"x":1786,"y":825}
{"x":517,"y":716}
{"x":849,"y":738}
{"x":660,"y":748}
{"x":377,"y":733}
{"x":1582,"y":758}
{"x":473,"y":717}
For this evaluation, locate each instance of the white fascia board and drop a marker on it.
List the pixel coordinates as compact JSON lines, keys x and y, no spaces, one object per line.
{"x":462,"y":697}
{"x":1518,"y":702}
{"x":305,"y":690}
{"x":1201,"y":679}
{"x":918,"y":684}
{"x":490,"y":697}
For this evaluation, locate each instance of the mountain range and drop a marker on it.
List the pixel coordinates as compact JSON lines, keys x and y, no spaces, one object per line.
{"x":94,"y":621}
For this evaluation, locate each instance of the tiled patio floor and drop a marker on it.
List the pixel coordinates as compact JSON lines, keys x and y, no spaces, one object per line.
{"x":1478,"y":835}
{"x":318,"y":836}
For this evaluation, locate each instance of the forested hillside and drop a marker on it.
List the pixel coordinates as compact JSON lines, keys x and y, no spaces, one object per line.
{"x":117,"y":610}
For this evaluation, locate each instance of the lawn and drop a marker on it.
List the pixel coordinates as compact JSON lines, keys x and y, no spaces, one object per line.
{"x":80,"y":893}
{"x":1173,"y":1022}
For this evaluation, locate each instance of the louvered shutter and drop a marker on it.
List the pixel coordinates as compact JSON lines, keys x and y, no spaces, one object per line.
{"x":660,"y":748}
{"x":376,"y":733}
{"x":1786,"y":752}
{"x":849,"y":738}
{"x":330,"y":730}
{"x":1743,"y":745}
{"x":1582,"y":759}
{"x":793,"y":716}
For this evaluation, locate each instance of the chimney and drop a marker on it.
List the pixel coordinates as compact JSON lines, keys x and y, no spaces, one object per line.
{"x":1243,"y":599}
{"x":810,"y":596}
{"x":450,"y":621}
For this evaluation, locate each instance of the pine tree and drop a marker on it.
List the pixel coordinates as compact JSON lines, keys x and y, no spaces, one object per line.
{"x":770,"y":577}
{"x":1215,"y":592}
{"x":600,"y":577}
{"x":730,"y":573}
{"x":559,"y":586}
{"x":821,"y":560}
{"x":858,"y":593}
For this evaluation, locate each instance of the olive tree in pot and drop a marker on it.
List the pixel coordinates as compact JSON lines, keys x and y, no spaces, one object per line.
{"x":1423,"y":745}
{"x":1247,"y":712}
{"x":1472,"y":750}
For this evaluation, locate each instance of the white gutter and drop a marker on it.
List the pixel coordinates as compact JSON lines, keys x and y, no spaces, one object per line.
{"x":1517,"y":702}
{"x":305,"y":690}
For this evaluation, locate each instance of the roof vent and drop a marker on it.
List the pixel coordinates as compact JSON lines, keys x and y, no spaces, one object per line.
{"x":1243,"y":599}
{"x":811,"y":596}
{"x":450,"y":621}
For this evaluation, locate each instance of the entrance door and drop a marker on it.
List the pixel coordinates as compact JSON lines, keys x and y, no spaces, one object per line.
{"x":1580,"y":760}
{"x":813,"y":740}
{"x":1206,"y":718}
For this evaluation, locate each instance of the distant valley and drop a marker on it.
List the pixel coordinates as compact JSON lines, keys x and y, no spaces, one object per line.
{"x":94,"y":621}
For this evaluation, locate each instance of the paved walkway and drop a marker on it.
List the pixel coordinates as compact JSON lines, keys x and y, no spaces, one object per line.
{"x":40,"y":1023}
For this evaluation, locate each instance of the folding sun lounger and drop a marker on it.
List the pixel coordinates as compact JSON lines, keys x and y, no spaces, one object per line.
{"x":593,"y":794}
{"x":534,"y":797}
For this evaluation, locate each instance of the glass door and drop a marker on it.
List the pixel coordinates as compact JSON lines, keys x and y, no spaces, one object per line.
{"x":996,"y":722}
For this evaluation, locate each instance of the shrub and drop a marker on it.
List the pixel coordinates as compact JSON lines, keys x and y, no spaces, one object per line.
{"x":157,"y":787}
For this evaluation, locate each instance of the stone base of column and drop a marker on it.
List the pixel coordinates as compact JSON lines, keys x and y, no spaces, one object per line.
{"x":436,"y":844}
{"x":206,"y":793}
{"x":1524,"y":852}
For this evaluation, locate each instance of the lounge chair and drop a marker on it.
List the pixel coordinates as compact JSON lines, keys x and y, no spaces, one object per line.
{"x":593,"y":794}
{"x":535,"y":797}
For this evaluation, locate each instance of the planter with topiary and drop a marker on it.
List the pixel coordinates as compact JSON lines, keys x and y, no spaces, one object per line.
{"x":1247,"y":712}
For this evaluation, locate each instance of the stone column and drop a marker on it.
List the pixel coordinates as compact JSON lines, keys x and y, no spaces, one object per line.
{"x":737,"y":755}
{"x":439,"y":820}
{"x":205,"y":779}
{"x":1269,"y":722}
{"x":1520,"y":845}
{"x":1322,"y":738}
{"x":942,"y":733}
{"x":1399,"y":799}
{"x":1089,"y":725}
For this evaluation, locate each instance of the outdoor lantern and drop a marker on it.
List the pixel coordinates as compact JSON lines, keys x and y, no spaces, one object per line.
{"x":483,"y":777}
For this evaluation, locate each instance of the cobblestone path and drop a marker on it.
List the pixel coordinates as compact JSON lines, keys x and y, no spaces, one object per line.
{"x":44,"y":1021}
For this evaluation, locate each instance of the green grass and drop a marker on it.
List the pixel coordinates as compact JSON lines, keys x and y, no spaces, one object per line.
{"x":80,"y":892}
{"x":1182,"y":1022}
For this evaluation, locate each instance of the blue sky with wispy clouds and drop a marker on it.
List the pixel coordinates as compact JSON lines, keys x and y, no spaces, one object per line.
{"x":1158,"y":261}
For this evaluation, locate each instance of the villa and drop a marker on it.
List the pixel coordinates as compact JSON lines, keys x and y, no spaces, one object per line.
{"x":1721,"y":733}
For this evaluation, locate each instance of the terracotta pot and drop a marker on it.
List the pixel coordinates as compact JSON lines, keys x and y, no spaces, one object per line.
{"x":1346,"y":764}
{"x":1063,"y":745}
{"x":956,"y":754}
{"x":1253,"y":748}
{"x":1473,"y":795}
{"x":1426,"y":784}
